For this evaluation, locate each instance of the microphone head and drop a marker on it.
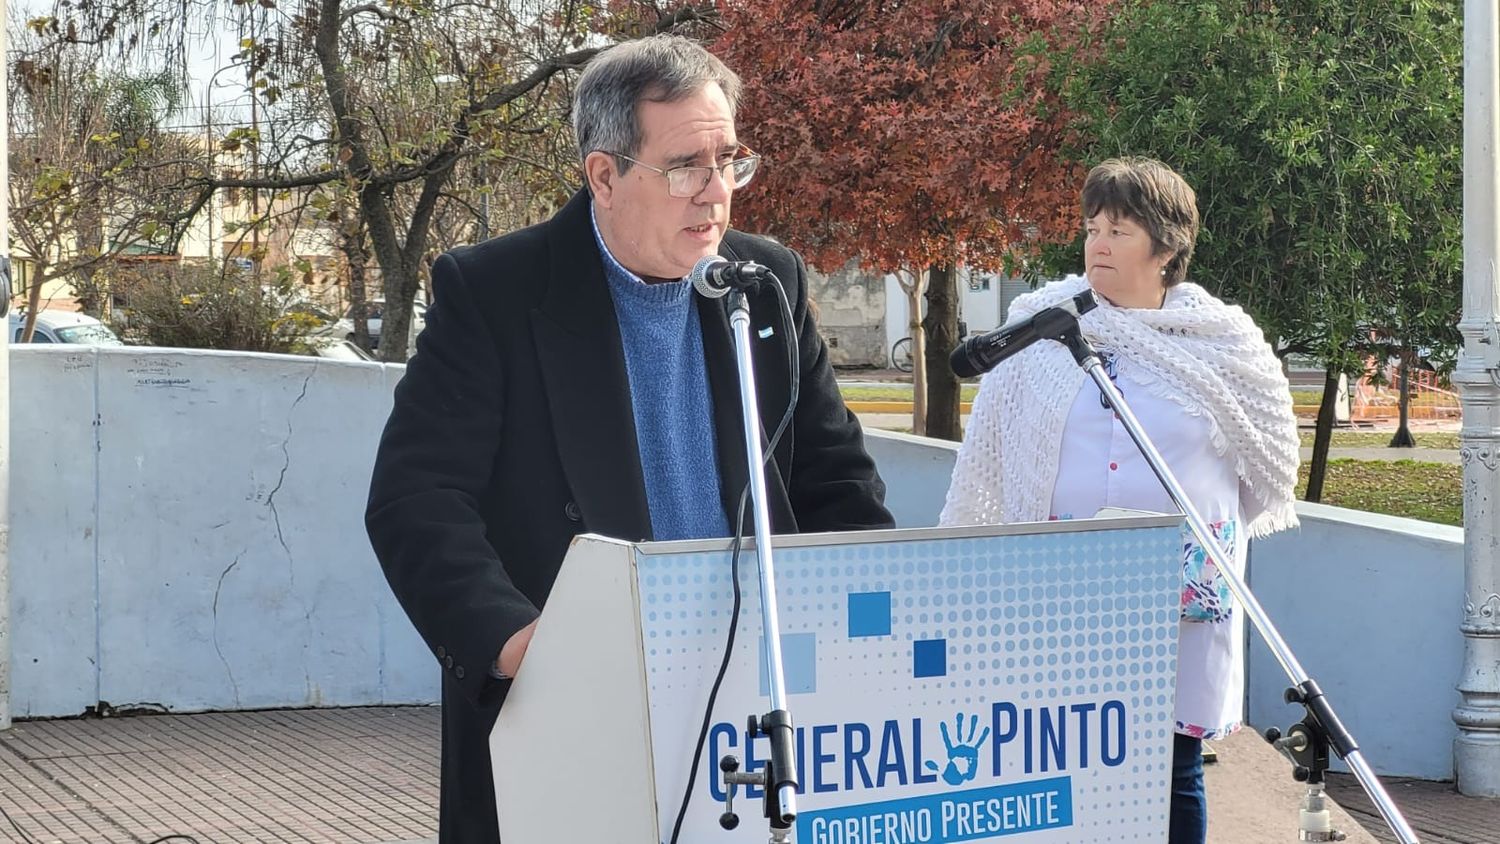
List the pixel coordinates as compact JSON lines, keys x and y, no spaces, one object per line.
{"x":962,"y":365}
{"x":1083,"y":303}
{"x":699,"y":277}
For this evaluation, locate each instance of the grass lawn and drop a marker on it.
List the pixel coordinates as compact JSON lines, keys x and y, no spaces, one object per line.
{"x":1429,"y":491}
{"x":897,"y":392}
{"x":1381,"y":439}
{"x":1418,"y":490}
{"x":1432,"y":492}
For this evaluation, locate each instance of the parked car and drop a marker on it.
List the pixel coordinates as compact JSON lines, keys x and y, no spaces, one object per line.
{"x":375,"y":308}
{"x":64,"y":327}
{"x":336,"y":349}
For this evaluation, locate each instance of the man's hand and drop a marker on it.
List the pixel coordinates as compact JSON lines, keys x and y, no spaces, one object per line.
{"x":515,"y":650}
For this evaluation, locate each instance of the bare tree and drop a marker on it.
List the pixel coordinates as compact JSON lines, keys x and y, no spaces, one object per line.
{"x":93,"y":172}
{"x":390,"y":102}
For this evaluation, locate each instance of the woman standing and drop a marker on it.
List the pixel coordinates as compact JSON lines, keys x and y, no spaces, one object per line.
{"x":1209,"y":392}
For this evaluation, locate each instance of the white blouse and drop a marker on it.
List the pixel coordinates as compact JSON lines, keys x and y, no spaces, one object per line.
{"x":1100,"y":467}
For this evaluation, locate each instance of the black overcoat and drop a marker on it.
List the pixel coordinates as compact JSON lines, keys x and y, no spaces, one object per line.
{"x":513,"y":431}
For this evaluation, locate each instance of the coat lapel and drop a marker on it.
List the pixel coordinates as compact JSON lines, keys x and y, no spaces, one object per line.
{"x":588,"y":391}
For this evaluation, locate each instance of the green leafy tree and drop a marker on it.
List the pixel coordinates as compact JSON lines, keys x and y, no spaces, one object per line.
{"x":1324,"y":141}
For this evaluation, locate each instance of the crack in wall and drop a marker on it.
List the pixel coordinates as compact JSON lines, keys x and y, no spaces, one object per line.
{"x":281,"y":537}
{"x":287,"y":464}
{"x":234,"y":687}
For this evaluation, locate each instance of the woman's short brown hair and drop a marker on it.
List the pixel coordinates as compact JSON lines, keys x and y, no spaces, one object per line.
{"x":1153,"y":195}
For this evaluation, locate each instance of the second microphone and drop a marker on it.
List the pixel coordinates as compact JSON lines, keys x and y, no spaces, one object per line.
{"x":978,"y":355}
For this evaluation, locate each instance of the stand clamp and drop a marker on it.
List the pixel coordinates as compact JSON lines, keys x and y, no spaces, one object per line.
{"x":1306,"y":743}
{"x":778,"y":771}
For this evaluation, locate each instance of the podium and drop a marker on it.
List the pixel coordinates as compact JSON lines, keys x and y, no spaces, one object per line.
{"x":947,"y":684}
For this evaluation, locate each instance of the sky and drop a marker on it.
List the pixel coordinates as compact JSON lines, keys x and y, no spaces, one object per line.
{"x":207,"y":52}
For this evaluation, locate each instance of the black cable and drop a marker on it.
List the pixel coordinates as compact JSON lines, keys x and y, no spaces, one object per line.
{"x":793,"y":361}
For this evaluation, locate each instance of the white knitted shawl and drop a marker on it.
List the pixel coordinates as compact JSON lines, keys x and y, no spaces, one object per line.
{"x":1206,"y":356}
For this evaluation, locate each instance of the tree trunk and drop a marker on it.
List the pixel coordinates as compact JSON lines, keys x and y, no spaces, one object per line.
{"x":941,"y":330}
{"x":1323,"y":436}
{"x":33,"y":304}
{"x":87,"y":285}
{"x":1403,"y":437}
{"x":88,"y":293}
{"x":375,"y":200}
{"x":395,"y":320}
{"x":352,"y":237}
{"x":918,"y":354}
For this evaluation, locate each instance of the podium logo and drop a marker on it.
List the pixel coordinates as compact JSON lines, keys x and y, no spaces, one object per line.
{"x":963,"y":756}
{"x":1017,"y":741}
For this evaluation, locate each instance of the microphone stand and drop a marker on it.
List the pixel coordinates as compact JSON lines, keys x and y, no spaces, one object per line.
{"x":1307,"y":742}
{"x":778,"y":778}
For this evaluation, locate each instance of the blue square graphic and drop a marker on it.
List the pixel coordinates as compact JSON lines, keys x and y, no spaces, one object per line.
{"x":869,"y":614}
{"x":929,"y":658}
{"x":799,"y":661}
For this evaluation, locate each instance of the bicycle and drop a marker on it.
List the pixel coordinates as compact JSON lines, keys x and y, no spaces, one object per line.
{"x":901,"y":351}
{"x":901,"y":355}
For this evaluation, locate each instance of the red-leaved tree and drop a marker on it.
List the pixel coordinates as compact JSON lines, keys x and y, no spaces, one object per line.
{"x":916,"y":136}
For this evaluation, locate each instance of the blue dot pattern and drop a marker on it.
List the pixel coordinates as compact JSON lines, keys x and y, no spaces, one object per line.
{"x":1042,"y":619}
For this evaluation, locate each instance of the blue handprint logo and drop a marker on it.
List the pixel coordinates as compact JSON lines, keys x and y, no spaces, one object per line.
{"x":963,"y":757}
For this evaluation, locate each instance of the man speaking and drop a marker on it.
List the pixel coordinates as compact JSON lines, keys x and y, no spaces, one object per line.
{"x":570,"y":381}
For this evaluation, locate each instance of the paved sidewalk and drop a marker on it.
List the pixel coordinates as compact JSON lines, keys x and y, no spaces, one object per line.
{"x":369,"y":776}
{"x":332,"y":776}
{"x":1438,"y":813}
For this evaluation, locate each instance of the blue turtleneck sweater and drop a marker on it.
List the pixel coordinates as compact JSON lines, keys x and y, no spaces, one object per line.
{"x":669,"y":393}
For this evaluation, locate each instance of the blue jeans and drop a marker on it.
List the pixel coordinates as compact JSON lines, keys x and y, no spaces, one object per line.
{"x":1189,"y":807}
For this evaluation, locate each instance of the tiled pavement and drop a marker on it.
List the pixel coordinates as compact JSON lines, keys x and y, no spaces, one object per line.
{"x":330,"y":775}
{"x":369,"y":776}
{"x":1438,"y":813}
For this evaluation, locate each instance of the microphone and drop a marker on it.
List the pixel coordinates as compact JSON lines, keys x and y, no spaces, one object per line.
{"x":978,"y":355}
{"x":713,"y":276}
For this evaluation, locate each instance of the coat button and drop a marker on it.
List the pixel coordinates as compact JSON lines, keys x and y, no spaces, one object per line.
{"x":459,"y":672}
{"x":448,"y":662}
{"x":572,"y":512}
{"x":441,"y":652}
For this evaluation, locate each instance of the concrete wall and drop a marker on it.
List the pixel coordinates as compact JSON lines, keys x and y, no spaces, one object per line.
{"x":851,"y":310}
{"x":188,"y":534}
{"x":916,"y":472}
{"x":1370,"y":605}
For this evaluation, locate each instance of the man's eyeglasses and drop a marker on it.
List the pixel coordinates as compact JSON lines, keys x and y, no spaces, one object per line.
{"x":687,"y":182}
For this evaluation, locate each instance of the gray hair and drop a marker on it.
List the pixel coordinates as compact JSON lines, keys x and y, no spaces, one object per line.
{"x":658,"y":69}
